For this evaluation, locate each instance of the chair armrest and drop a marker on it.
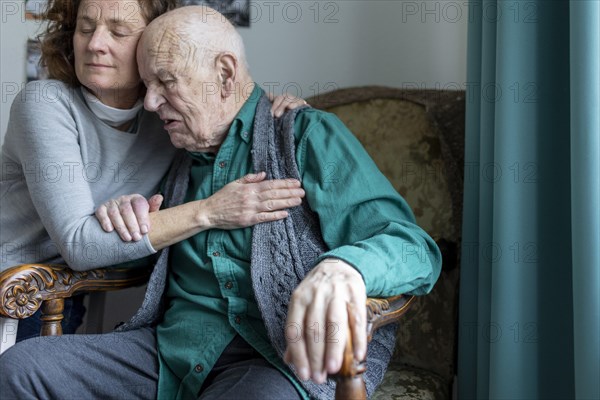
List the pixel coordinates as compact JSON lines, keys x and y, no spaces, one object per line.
{"x":380,"y":312}
{"x":24,"y":288}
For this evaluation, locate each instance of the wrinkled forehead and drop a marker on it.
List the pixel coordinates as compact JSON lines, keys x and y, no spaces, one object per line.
{"x":166,"y":49}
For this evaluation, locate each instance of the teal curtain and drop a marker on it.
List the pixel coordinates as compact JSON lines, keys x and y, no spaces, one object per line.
{"x":529,"y":325}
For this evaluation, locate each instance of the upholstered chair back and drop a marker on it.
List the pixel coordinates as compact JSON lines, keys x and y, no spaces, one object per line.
{"x":416,"y":138}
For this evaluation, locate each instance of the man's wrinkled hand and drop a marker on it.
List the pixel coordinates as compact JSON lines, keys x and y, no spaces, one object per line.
{"x":329,"y":304}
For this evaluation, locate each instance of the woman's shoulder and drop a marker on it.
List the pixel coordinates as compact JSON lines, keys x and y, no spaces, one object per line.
{"x":42,"y":109}
{"x":46,"y":93}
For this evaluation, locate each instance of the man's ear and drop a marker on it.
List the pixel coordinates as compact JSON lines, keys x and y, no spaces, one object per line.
{"x":227,"y":69}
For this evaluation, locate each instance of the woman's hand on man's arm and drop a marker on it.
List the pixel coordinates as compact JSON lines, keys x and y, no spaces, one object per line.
{"x":239,"y":204}
{"x":129,"y":215}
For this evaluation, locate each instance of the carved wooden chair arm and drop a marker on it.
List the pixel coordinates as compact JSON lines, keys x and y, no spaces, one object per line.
{"x":25,"y":288}
{"x":380,"y":312}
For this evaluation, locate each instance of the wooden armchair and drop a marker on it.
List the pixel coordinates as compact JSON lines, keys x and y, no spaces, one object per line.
{"x":26,"y":288}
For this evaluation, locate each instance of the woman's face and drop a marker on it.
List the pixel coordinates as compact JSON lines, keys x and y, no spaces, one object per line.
{"x":105,"y":41}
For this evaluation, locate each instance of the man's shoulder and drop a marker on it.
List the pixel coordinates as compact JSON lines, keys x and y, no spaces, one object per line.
{"x":309,"y":119}
{"x":311,"y":114}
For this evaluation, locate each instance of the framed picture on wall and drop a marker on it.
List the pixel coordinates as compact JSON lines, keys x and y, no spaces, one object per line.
{"x":34,"y":69}
{"x":34,"y":9}
{"x":237,"y":11}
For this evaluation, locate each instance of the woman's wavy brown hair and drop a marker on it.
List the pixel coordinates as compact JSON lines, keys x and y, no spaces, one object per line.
{"x":57,"y":40}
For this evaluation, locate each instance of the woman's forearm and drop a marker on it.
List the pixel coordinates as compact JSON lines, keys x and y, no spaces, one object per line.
{"x":175,"y":224}
{"x":245,"y":202}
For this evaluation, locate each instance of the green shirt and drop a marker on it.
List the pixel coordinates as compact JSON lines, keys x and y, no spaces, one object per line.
{"x":363,"y":220}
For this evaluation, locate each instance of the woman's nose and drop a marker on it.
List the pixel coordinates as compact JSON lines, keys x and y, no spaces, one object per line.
{"x":99,"y":40}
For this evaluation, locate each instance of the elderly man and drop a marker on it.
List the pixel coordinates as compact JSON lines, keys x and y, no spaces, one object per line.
{"x":259,"y":312}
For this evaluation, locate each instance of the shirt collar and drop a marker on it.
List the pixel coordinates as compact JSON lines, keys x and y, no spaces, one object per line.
{"x":244,"y":120}
{"x":242,"y":125}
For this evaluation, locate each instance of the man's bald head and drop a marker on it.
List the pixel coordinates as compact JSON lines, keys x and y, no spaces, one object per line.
{"x":193,"y":36}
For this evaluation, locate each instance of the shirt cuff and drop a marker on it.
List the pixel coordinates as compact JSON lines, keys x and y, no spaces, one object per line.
{"x":381,"y":279}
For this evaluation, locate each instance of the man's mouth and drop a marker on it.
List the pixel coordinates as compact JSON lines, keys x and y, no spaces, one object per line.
{"x":170,"y":123}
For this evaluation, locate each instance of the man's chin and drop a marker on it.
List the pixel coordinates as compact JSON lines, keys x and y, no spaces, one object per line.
{"x":178,"y":144}
{"x":192,"y":147}
{"x":184,"y":141}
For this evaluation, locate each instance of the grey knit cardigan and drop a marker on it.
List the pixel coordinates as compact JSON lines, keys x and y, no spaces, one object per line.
{"x":282,"y":251}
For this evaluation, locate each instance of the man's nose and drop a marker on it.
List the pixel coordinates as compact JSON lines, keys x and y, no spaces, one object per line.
{"x":153,"y":100}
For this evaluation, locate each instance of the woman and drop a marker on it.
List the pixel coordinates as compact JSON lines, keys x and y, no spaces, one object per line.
{"x":82,"y":138}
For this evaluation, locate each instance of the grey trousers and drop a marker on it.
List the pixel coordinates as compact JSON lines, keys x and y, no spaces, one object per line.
{"x":124,"y":365}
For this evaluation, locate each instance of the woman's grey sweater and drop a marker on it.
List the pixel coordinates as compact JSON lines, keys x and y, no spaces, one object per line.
{"x":59,"y":163}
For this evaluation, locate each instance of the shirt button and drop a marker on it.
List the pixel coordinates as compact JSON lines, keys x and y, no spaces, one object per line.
{"x":244,"y":134}
{"x":216,"y":253}
{"x":198,"y":368}
{"x":238,"y":319}
{"x":222,"y":164}
{"x":228,"y":285}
